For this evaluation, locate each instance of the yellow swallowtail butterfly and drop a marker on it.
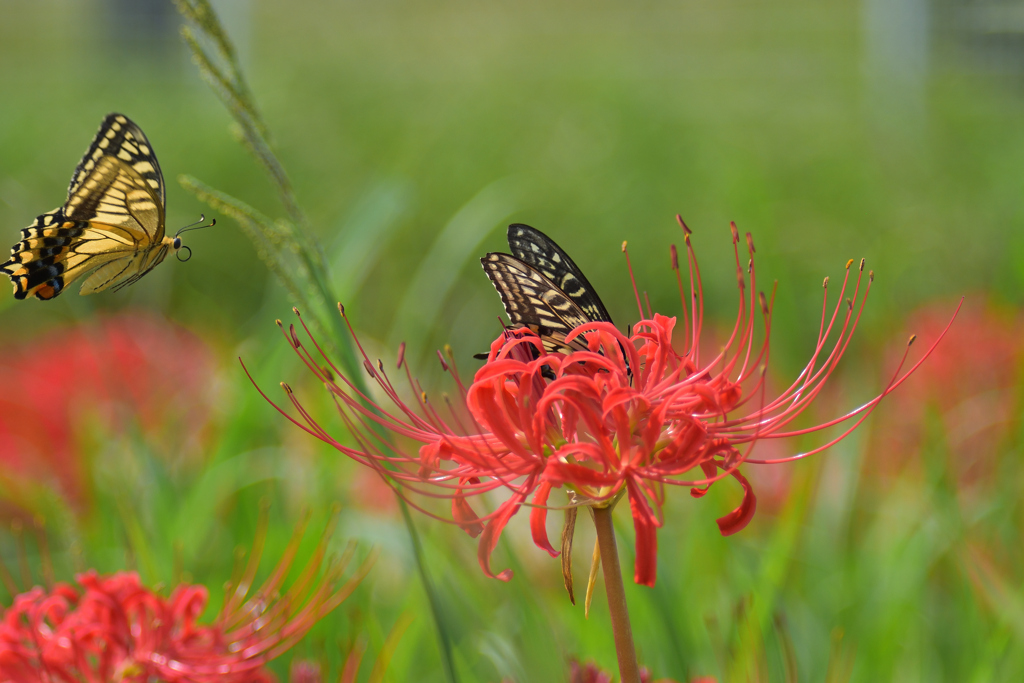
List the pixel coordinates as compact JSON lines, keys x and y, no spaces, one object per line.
{"x":111,"y":229}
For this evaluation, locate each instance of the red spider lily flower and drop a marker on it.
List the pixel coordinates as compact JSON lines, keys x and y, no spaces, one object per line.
{"x":112,"y":628}
{"x":627,"y":416}
{"x":130,"y":369}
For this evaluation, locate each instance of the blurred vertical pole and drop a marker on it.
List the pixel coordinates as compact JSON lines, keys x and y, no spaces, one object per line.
{"x":144,"y":30}
{"x":236,"y":16}
{"x":896,"y":62}
{"x":148,"y":29}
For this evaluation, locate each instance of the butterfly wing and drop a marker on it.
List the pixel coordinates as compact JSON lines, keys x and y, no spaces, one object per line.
{"x":120,"y":138}
{"x":533,"y":300}
{"x":35,"y":266}
{"x":536,"y":249}
{"x":124,"y":271}
{"x":111,"y":228}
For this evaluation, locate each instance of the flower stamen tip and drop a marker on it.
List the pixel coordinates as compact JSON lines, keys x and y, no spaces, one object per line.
{"x":279,"y":323}
{"x":862,"y":265}
{"x":440,"y":357}
{"x":287,"y":389}
{"x":341,"y":308}
{"x":911,"y":340}
{"x":675,"y":257}
{"x":295,"y":310}
{"x":849,"y":263}
{"x":735,"y":232}
{"x":824,"y":283}
{"x":750,"y":243}
{"x":623,"y":246}
{"x":401,"y":355}
{"x":423,"y":397}
{"x":369,"y":368}
{"x":683,"y":224}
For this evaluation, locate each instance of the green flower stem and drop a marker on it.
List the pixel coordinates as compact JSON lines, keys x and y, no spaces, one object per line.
{"x":444,"y":642}
{"x":629,"y":670}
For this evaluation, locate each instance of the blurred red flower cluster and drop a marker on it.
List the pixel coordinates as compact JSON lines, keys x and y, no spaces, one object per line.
{"x":971,"y":383}
{"x":114,"y":629}
{"x":73,"y":387}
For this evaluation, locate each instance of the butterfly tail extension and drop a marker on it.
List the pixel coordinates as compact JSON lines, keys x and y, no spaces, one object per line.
{"x":38,"y":262}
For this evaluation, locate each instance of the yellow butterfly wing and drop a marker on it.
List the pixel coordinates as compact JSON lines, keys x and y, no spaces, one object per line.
{"x":119,"y":137}
{"x":111,"y":229}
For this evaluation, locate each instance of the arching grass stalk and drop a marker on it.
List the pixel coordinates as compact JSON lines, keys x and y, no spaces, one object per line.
{"x":286,"y":245}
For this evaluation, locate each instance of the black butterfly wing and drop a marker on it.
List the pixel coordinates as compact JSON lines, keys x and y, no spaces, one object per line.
{"x":533,"y":300}
{"x":539,"y":251}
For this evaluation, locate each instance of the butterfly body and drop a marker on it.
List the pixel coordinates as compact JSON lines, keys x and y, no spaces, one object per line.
{"x":542,"y":288}
{"x":111,"y":229}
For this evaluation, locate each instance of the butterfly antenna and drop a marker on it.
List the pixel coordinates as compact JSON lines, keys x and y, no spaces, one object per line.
{"x":196,"y":226}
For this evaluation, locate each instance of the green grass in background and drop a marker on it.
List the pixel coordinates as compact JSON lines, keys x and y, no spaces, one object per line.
{"x":430,"y":128}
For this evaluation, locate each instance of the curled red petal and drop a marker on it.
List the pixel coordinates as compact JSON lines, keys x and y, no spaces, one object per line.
{"x":463,"y":513}
{"x":485,"y":403}
{"x":710,"y":469}
{"x":741,"y":516}
{"x":559,"y":472}
{"x":539,"y":517}
{"x":430,"y":458}
{"x":729,"y":395}
{"x":698,"y":491}
{"x":492,"y":532}
{"x":645,"y":570}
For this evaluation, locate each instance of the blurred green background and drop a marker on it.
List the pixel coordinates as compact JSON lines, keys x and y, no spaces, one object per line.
{"x":413,"y":134}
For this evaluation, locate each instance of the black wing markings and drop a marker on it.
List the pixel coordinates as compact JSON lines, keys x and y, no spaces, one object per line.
{"x":542,"y":288}
{"x":542,"y":253}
